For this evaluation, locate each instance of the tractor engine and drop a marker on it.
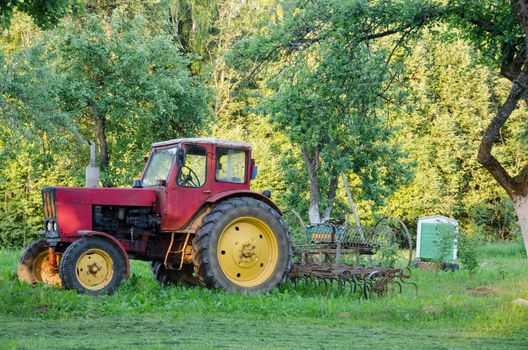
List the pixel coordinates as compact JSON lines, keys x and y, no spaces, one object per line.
{"x":125,"y":214}
{"x":124,"y":222}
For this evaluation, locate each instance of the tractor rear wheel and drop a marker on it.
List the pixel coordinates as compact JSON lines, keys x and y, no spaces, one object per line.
{"x":92,"y":265}
{"x":166,"y":276}
{"x":34,"y":266}
{"x":243,"y":245}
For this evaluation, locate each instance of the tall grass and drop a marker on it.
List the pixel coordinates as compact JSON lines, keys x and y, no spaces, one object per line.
{"x":502,"y":249}
{"x":452,"y":301}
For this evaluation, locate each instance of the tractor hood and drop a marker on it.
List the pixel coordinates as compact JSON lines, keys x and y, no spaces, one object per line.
{"x":135,"y":197}
{"x":68,"y":210}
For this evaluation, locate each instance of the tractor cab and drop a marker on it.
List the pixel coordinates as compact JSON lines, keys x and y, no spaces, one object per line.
{"x":186,"y":172}
{"x":231,"y":163}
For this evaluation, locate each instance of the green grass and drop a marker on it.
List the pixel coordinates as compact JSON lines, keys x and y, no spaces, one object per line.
{"x":452,"y":311}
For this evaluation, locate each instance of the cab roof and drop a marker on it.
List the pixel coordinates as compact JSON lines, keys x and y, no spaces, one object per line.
{"x":204,"y":140}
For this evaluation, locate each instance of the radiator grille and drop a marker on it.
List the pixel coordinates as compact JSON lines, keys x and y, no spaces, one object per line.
{"x":48,"y":203}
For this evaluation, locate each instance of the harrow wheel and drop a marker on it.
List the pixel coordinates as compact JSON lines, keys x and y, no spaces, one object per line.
{"x":92,"y":265}
{"x":242,"y":246}
{"x":34,"y":266}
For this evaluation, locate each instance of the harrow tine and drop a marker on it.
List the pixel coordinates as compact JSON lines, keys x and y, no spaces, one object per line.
{"x":367,"y":286}
{"x":414,"y":285}
{"x":341,"y":283}
{"x":357,"y":283}
{"x":398,"y":283}
{"x":366,"y":290}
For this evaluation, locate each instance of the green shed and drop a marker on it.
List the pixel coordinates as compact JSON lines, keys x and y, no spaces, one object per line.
{"x":429,"y":233}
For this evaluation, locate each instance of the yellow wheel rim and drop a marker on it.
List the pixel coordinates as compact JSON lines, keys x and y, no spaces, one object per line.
{"x":43,"y":272}
{"x":247,"y":252}
{"x":95,"y":269}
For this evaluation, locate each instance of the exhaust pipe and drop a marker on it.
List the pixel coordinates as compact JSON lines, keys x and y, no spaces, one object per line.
{"x":92,"y":172}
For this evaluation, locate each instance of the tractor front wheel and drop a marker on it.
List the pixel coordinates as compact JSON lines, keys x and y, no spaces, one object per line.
{"x":92,"y":265}
{"x":34,"y":266}
{"x":243,"y":245}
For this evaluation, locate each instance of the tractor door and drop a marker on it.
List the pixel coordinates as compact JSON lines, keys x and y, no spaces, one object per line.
{"x":187,"y":188}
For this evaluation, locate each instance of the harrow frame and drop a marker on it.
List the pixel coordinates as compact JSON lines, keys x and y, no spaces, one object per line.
{"x":320,"y":260}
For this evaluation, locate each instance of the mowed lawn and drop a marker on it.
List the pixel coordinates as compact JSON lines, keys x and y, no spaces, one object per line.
{"x":451,"y":311}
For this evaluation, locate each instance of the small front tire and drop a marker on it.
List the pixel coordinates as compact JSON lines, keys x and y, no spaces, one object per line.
{"x":33,"y":266}
{"x":92,"y":265}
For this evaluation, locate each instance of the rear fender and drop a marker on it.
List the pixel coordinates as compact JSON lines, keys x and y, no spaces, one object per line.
{"x":114,"y":241}
{"x":243,"y":193}
{"x":196,"y":221}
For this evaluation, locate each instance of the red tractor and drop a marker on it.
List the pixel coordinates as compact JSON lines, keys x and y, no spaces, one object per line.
{"x":192,"y":216}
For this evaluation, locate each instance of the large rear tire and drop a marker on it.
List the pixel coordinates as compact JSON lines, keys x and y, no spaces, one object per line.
{"x":92,"y":265}
{"x":243,"y":245}
{"x":33,"y":266}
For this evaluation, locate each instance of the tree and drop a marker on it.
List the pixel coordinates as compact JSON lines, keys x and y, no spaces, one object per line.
{"x":327,"y":97}
{"x":453,"y":97}
{"x":145,"y":89}
{"x":133,"y":87}
{"x":234,"y":106}
{"x":44,"y":13}
{"x":31,"y":153}
{"x":500,"y":30}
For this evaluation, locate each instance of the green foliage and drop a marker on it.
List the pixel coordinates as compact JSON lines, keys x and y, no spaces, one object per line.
{"x":327,"y":97}
{"x":387,"y":251}
{"x":44,"y":13}
{"x":446,"y":241}
{"x":494,"y":219}
{"x":302,"y":75}
{"x":31,"y":154}
{"x":441,"y":132}
{"x":138,"y":81}
{"x":490,"y":25}
{"x":468,"y":252}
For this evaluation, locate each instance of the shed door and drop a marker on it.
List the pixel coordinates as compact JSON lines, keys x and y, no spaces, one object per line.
{"x":429,"y":244}
{"x":431,"y":237}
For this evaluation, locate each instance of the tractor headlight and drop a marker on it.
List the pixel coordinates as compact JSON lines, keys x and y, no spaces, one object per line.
{"x":54,"y":226}
{"x":49,"y":226}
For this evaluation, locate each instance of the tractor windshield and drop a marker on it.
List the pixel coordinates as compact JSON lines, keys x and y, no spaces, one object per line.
{"x":159,"y":166}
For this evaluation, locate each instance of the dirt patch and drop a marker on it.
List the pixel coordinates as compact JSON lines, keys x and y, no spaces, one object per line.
{"x":42,"y":308}
{"x":432,"y":310}
{"x":521,"y":302}
{"x":483,"y":291}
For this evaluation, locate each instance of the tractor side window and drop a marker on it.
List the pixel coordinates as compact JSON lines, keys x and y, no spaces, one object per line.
{"x":193,"y":173}
{"x":230,"y":165}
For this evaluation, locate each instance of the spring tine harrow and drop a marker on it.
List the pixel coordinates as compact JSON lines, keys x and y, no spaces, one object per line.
{"x":325,"y":261}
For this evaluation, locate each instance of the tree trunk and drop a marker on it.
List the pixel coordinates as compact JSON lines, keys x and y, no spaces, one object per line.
{"x":350,"y":200}
{"x":192,"y":10}
{"x":352,"y":206}
{"x":515,"y":186}
{"x":521,"y":208}
{"x":332,"y":190}
{"x":103,"y":146}
{"x":312,"y":162}
{"x":517,"y":71}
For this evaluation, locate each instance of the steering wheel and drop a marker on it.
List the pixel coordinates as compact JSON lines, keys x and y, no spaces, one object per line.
{"x":188,"y":178}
